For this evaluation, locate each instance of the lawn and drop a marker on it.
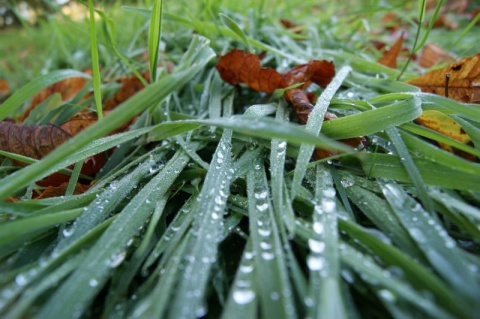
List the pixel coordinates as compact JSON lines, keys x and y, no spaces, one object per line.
{"x":186,"y":196}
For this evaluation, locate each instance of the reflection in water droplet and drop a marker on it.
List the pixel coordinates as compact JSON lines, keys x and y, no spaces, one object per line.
{"x":246,"y":268}
{"x":268,"y":255}
{"x":318,"y":227}
{"x":262,"y":207}
{"x":93,"y":283}
{"x":243,"y":296}
{"x":264,"y":232}
{"x":67,"y":232}
{"x":316,"y":246}
{"x":387,"y":295}
{"x":315,"y":262}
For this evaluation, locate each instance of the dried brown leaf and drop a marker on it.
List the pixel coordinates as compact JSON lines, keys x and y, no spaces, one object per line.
{"x":463,"y":79}
{"x":389,"y":57}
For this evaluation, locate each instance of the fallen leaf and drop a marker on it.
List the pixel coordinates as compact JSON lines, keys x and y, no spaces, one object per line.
{"x":445,"y":125}
{"x":55,"y":191}
{"x":4,"y":88}
{"x":445,"y":21}
{"x":463,"y":79}
{"x":390,"y":56}
{"x":432,"y":55}
{"x":239,"y":67}
{"x":68,"y":88}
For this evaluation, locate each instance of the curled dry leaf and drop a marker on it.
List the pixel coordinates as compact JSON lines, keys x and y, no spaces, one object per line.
{"x":459,"y":81}
{"x":240,"y":67}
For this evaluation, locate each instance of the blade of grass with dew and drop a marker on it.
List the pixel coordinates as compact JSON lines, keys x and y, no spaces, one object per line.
{"x":27,"y":91}
{"x":314,"y":125}
{"x":275,"y":292}
{"x":154,"y":36}
{"x":278,"y":153}
{"x":122,"y":280}
{"x":207,"y":225}
{"x":105,"y":203}
{"x":434,"y":174}
{"x":39,"y":270}
{"x":388,"y":288}
{"x":323,"y":260}
{"x":97,"y":82}
{"x":434,"y":241}
{"x":21,"y":308}
{"x":455,"y":204}
{"x":472,"y":130}
{"x":416,"y":275}
{"x":373,"y":121}
{"x":232,"y":25}
{"x":15,"y":233}
{"x":198,"y":54}
{"x":173,"y":234}
{"x":156,"y":302}
{"x":410,"y":168}
{"x":378,"y":211}
{"x":266,"y":128}
{"x":75,"y":294}
{"x":242,"y":299}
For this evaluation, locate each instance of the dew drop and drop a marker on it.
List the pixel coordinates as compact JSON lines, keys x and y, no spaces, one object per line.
{"x":318,"y":227}
{"x":316,"y":246}
{"x":93,"y":283}
{"x":117,"y":259}
{"x":315,"y":262}
{"x":21,"y":280}
{"x":264,"y":232}
{"x":387,"y":295}
{"x":67,"y":232}
{"x":243,"y":296}
{"x":268,"y":255}
{"x":262,"y":207}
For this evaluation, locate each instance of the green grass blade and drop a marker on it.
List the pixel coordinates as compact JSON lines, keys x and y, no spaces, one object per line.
{"x":232,"y":25}
{"x":154,"y":36}
{"x":323,"y":260}
{"x":76,"y":293}
{"x":242,"y":299}
{"x":97,"y":82}
{"x":434,"y":174}
{"x":275,"y":295}
{"x":373,"y":121}
{"x":314,"y":125}
{"x":410,"y":168}
{"x":202,"y":249}
{"x":434,"y":241}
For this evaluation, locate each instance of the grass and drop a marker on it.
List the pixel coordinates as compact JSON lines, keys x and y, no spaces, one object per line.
{"x":211,"y":206}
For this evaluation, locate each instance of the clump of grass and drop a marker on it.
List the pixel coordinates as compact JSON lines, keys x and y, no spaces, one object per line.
{"x":210,"y":205}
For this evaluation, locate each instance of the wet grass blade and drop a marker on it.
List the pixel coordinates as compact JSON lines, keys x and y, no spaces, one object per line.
{"x":274,"y":288}
{"x":154,"y":36}
{"x":77,"y":292}
{"x":314,"y":125}
{"x":201,"y":251}
{"x":434,"y":241}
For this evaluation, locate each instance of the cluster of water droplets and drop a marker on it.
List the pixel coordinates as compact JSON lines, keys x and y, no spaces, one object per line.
{"x":323,"y":216}
{"x":243,"y":292}
{"x":264,"y":223}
